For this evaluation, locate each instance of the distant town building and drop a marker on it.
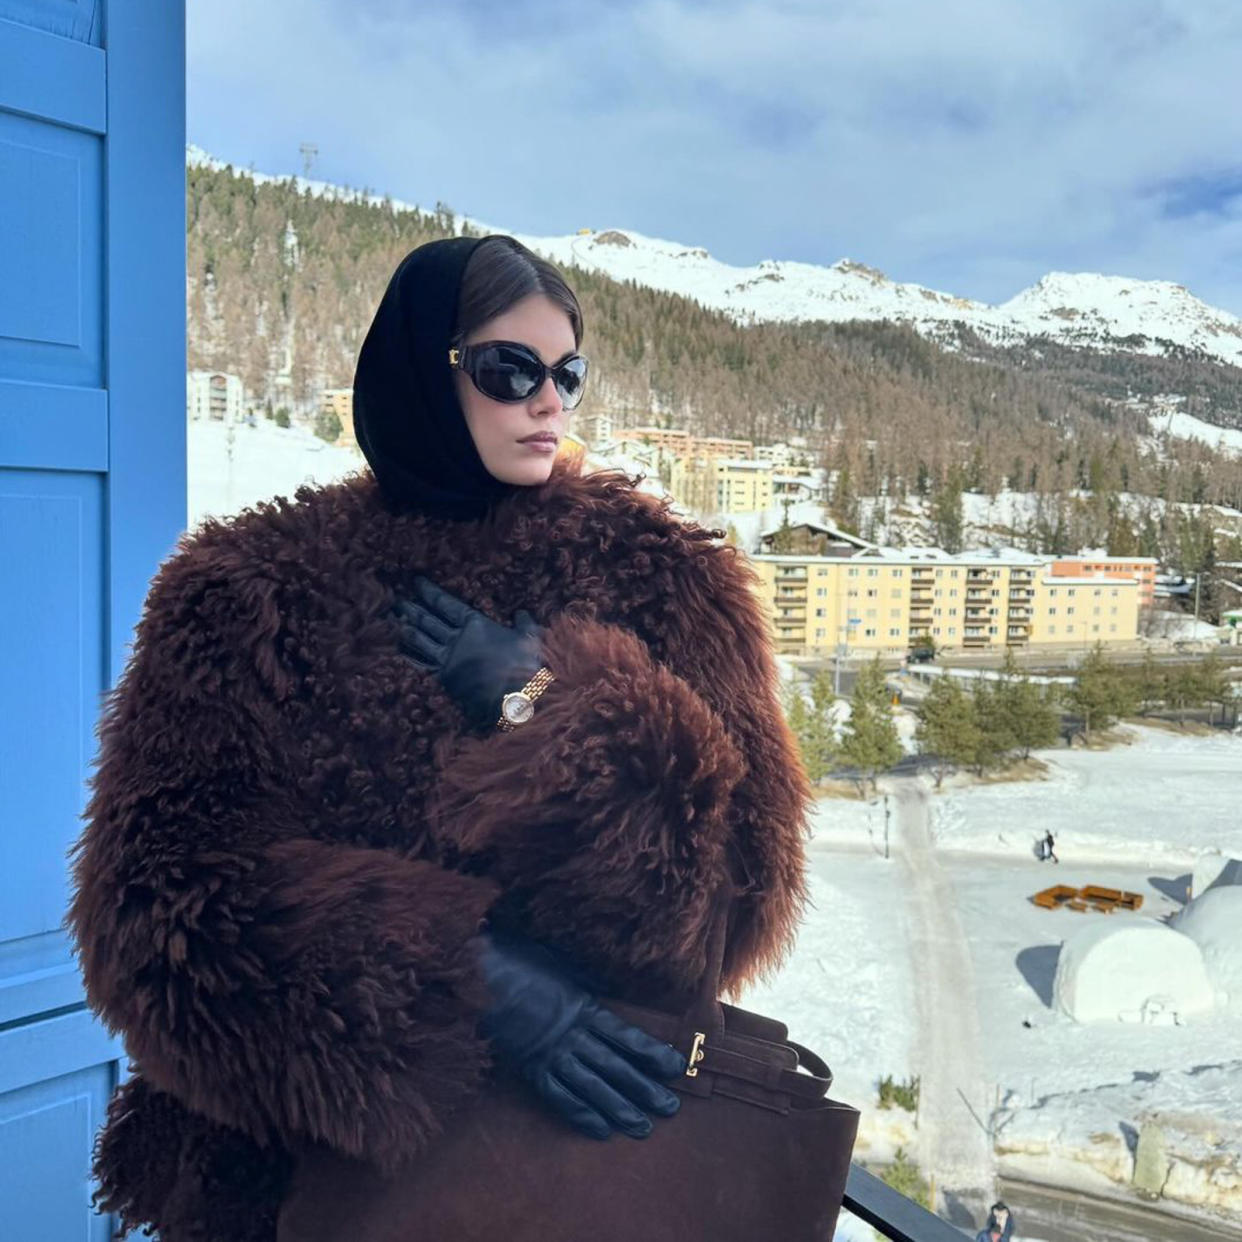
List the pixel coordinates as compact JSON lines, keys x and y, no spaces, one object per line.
{"x":340,"y":401}
{"x":721,"y":485}
{"x":594,"y":429}
{"x":215,"y":395}
{"x":883,"y":600}
{"x":681,"y":443}
{"x":1141,"y":567}
{"x":785,"y":457}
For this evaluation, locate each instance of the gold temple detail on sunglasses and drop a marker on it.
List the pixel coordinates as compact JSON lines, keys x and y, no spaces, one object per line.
{"x":454,"y":357}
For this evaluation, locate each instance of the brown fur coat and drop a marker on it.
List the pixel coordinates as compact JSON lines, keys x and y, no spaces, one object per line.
{"x":291,"y":837}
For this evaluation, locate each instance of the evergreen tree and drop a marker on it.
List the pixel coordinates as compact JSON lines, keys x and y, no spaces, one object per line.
{"x":994,"y":738}
{"x":1149,"y":682}
{"x":328,"y":426}
{"x":947,"y":730}
{"x":947,"y":513}
{"x":1211,"y":680}
{"x":1031,"y":717}
{"x":1101,"y":694}
{"x":811,"y":725}
{"x":870,"y":742}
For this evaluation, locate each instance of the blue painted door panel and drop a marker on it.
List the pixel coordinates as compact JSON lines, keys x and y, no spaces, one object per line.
{"x":92,"y":498}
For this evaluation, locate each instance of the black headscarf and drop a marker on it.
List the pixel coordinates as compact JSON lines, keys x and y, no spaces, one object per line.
{"x":407,"y":417}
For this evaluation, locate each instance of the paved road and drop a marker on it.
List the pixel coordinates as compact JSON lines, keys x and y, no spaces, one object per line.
{"x":952,"y":1140}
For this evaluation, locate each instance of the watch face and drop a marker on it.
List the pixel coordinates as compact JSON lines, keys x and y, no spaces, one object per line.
{"x":517,"y":708}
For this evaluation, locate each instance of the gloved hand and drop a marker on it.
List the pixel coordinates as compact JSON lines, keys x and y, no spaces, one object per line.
{"x":598,"y":1072}
{"x":477,"y":660}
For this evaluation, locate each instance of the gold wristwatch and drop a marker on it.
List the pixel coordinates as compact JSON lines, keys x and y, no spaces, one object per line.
{"x":519,"y":706}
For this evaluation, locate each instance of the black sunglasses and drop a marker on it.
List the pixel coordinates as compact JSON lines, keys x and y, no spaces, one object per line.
{"x":507,"y":371}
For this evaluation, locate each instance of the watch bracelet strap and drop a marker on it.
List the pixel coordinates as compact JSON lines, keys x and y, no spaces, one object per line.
{"x":542,"y":679}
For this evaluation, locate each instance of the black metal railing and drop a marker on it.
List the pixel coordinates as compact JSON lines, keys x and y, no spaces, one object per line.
{"x":899,"y":1219}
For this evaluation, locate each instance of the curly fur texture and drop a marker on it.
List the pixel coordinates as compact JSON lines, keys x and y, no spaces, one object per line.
{"x":292,"y":838}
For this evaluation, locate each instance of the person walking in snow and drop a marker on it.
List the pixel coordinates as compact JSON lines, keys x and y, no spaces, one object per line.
{"x":407,"y":772}
{"x":999,"y":1227}
{"x":1049,"y":847}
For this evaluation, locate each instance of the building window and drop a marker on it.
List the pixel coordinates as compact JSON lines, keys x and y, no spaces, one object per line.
{"x":852,"y":593}
{"x":952,"y":630}
{"x":870,"y":612}
{"x":991,"y":629}
{"x":1070,"y":610}
{"x":870,"y":633}
{"x":953,"y":612}
{"x":940,"y":573}
{"x":899,"y":573}
{"x":821,"y":592}
{"x":1112,"y":629}
{"x":872,"y":592}
{"x":936,"y":630}
{"x":936,"y":612}
{"x":894,"y":633}
{"x":819,"y":633}
{"x":853,"y":571}
{"x":1052,"y":590}
{"x":821,"y":612}
{"x":1052,"y":612}
{"x":952,"y":592}
{"x":872,"y":572}
{"x":896,"y":592}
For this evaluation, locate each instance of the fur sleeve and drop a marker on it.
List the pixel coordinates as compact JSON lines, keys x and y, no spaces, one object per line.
{"x":658,"y":764}
{"x":712,"y":630}
{"x":605,"y":816}
{"x":277,"y":982}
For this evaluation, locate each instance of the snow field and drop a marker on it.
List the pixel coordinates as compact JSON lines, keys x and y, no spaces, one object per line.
{"x":1161,"y":800}
{"x":847,"y":992}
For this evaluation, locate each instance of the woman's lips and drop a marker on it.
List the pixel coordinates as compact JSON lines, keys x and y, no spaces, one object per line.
{"x":541,"y":444}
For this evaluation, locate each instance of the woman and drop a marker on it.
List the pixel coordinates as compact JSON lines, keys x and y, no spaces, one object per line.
{"x":405,"y":774}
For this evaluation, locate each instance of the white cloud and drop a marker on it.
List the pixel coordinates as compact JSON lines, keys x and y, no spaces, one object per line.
{"x":970,"y":144}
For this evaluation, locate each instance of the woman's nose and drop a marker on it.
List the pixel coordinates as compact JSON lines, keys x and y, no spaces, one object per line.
{"x":546,"y":399}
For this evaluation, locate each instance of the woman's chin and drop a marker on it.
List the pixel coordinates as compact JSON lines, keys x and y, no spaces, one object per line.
{"x":526,"y":473}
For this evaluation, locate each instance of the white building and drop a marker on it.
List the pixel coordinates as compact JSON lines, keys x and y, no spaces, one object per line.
{"x":215,"y":395}
{"x":595,"y":429}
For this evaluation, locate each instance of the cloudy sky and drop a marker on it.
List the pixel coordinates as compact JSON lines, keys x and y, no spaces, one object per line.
{"x":970,"y":145}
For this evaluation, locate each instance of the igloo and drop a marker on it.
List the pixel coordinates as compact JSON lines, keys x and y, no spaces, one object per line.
{"x":1131,"y":970}
{"x":1214,"y":923}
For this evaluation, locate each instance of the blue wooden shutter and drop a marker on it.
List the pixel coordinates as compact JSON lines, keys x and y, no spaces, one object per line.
{"x":92,"y":497}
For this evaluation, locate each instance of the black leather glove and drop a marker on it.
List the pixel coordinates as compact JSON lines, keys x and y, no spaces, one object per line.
{"x":477,"y":660}
{"x":598,"y":1072}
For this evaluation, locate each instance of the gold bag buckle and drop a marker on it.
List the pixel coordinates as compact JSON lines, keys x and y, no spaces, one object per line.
{"x":696,"y":1054}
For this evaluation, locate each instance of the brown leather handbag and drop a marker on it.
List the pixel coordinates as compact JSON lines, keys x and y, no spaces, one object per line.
{"x":757,"y":1151}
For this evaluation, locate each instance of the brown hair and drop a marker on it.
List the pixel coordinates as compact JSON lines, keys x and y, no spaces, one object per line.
{"x":501,"y":272}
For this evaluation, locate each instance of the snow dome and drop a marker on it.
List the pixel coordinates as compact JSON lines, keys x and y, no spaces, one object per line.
{"x":1131,"y":970}
{"x":1214,"y":923}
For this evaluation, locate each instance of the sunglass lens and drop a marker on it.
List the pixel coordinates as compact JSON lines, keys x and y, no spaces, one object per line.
{"x":571,"y":380}
{"x":507,"y":374}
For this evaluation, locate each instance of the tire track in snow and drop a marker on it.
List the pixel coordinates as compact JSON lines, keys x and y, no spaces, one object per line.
{"x":952,"y":1143}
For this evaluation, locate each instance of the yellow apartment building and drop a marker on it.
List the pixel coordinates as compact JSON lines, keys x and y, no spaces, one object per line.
{"x":721,"y":485}
{"x":340,"y":401}
{"x":882,"y":601}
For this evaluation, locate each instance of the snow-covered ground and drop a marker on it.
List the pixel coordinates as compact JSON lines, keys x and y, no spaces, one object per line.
{"x":1064,"y":1101}
{"x":1162,"y":799}
{"x":231,"y":466}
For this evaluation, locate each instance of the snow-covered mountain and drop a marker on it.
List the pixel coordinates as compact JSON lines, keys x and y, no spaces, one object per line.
{"x":1084,"y":309}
